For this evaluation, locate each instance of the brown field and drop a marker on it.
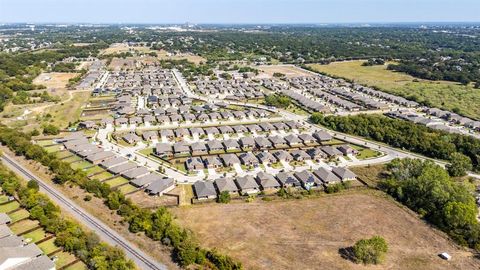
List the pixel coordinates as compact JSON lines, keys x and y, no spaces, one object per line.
{"x":308,"y":234}
{"x":163,"y":55}
{"x":288,"y":70}
{"x":120,"y":48}
{"x":54,"y":80}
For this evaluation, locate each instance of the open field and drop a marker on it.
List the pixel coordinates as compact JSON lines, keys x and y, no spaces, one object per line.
{"x":447,"y":95}
{"x":288,"y":70}
{"x":54,"y":80}
{"x":163,"y":55}
{"x":308,"y":233}
{"x":122,"y":48}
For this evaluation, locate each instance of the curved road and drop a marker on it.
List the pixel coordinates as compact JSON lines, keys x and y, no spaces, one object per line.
{"x":142,"y":260}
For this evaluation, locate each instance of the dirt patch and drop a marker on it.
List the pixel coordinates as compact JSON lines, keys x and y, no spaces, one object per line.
{"x":54,"y":80}
{"x":309,"y":233}
{"x":288,"y":70}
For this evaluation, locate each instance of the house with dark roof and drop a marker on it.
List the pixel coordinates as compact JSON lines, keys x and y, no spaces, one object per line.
{"x":316,"y":154}
{"x":247,"y":143}
{"x":194,"y":164}
{"x":347,"y":150}
{"x":307,"y":179}
{"x":326,"y":176}
{"x":212,"y":162}
{"x":278,"y":142}
{"x":300,"y":155}
{"x":282,"y":155}
{"x":226,"y":184}
{"x":331,"y":151}
{"x":262,"y":143}
{"x":344,"y":174}
{"x":199,"y":148}
{"x":215,"y":146}
{"x":150,"y":135}
{"x":322,"y":136}
{"x":287,"y":179}
{"x":160,"y":187}
{"x":248,"y":159}
{"x":122,"y":168}
{"x":307,"y":139}
{"x":135,"y":173}
{"x":231,"y":145}
{"x":114,"y":161}
{"x":99,"y":157}
{"x":230,"y":159}
{"x":131,"y":138}
{"x":266,"y":181}
{"x":163,"y":149}
{"x":239,"y":129}
{"x":181,"y":149}
{"x":247,"y":185}
{"x":204,"y":190}
{"x":293,"y":140}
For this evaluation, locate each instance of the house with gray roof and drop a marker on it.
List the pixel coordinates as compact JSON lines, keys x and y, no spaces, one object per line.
{"x":267,"y":181}
{"x":122,"y":168}
{"x":114,"y":161}
{"x":131,"y":138}
{"x":4,"y":219}
{"x":307,"y":179}
{"x":150,"y":135}
{"x":204,"y":190}
{"x":347,"y":150}
{"x":180,"y":149}
{"x":247,"y":185}
{"x":293,"y":140}
{"x":326,"y":176}
{"x":231,"y":145}
{"x":100,"y":157}
{"x":248,"y":159}
{"x":331,"y":151}
{"x":300,"y":155}
{"x":287,"y":179}
{"x":199,"y":148}
{"x":225,"y":129}
{"x":215,"y":146}
{"x":226,"y":184}
{"x":135,"y":173}
{"x":282,"y":155}
{"x":14,"y":257}
{"x":322,"y":136}
{"x":344,"y":174}
{"x":247,"y":143}
{"x":163,"y":149}
{"x":194,"y":164}
{"x":145,"y":180}
{"x":230,"y":159}
{"x":212,"y":162}
{"x":11,"y":241}
{"x":262,"y":143}
{"x":239,"y":129}
{"x":307,"y":139}
{"x":42,"y":262}
{"x":266,"y":157}
{"x":316,"y":154}
{"x":160,"y":187}
{"x":278,"y":142}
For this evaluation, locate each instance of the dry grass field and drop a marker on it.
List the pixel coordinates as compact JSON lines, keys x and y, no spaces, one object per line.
{"x":308,"y":234}
{"x":54,"y":80}
{"x":447,"y":95}
{"x":163,"y":55}
{"x":289,"y":70}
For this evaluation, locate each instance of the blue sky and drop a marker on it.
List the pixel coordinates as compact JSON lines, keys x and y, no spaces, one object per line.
{"x":239,"y":11}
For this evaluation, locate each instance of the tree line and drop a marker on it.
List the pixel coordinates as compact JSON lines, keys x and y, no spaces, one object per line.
{"x":158,"y":225}
{"x":69,"y":234}
{"x":407,"y":135}
{"x":427,"y":189}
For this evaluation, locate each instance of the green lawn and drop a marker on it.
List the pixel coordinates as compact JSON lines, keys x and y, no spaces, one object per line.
{"x":64,"y":258}
{"x":63,"y":154}
{"x":365,"y":153}
{"x":102,"y":176}
{"x":116,"y":181}
{"x":81,"y":165}
{"x":36,"y":235}
{"x":447,"y":95}
{"x":3,"y":198}
{"x":72,"y":159}
{"x":93,"y":170}
{"x":48,"y":246}
{"x":5,"y":208}
{"x":53,"y":148}
{"x":127,"y":189}
{"x":146,"y":151}
{"x":19,"y":215}
{"x":77,"y":266}
{"x":23,"y":226}
{"x":44,"y":142}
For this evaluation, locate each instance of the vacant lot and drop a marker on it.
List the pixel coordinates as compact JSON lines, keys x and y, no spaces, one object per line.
{"x":307,"y":234}
{"x":164,"y":55}
{"x":288,"y":70}
{"x":54,"y":80}
{"x":447,"y":95}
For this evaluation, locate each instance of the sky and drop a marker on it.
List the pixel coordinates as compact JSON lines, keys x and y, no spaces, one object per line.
{"x":238,"y":11}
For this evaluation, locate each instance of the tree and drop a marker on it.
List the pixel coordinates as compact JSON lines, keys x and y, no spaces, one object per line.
{"x":224,"y":197}
{"x":32,"y":184}
{"x":50,"y":130}
{"x":459,"y":165}
{"x":370,"y":251}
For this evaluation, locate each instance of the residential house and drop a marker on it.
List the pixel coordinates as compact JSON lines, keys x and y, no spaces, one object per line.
{"x":131,"y":138}
{"x":194,"y":164}
{"x":248,"y":159}
{"x":266,"y":158}
{"x":322,"y":136}
{"x":287,"y":179}
{"x":300,"y":155}
{"x":199,"y":148}
{"x":344,"y":174}
{"x":160,"y":187}
{"x":293,"y":140}
{"x":204,"y":190}
{"x":163,"y":149}
{"x":226,"y":184}
{"x":230,"y":159}
{"x":247,"y":143}
{"x":326,"y":176}
{"x":135,"y":173}
{"x":181,"y":149}
{"x":267,"y":181}
{"x":282,"y":155}
{"x":212,"y":162}
{"x":307,"y":179}
{"x":247,"y":185}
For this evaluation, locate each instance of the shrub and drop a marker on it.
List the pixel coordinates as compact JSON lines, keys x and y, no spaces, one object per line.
{"x":224,"y":197}
{"x":370,"y":251}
